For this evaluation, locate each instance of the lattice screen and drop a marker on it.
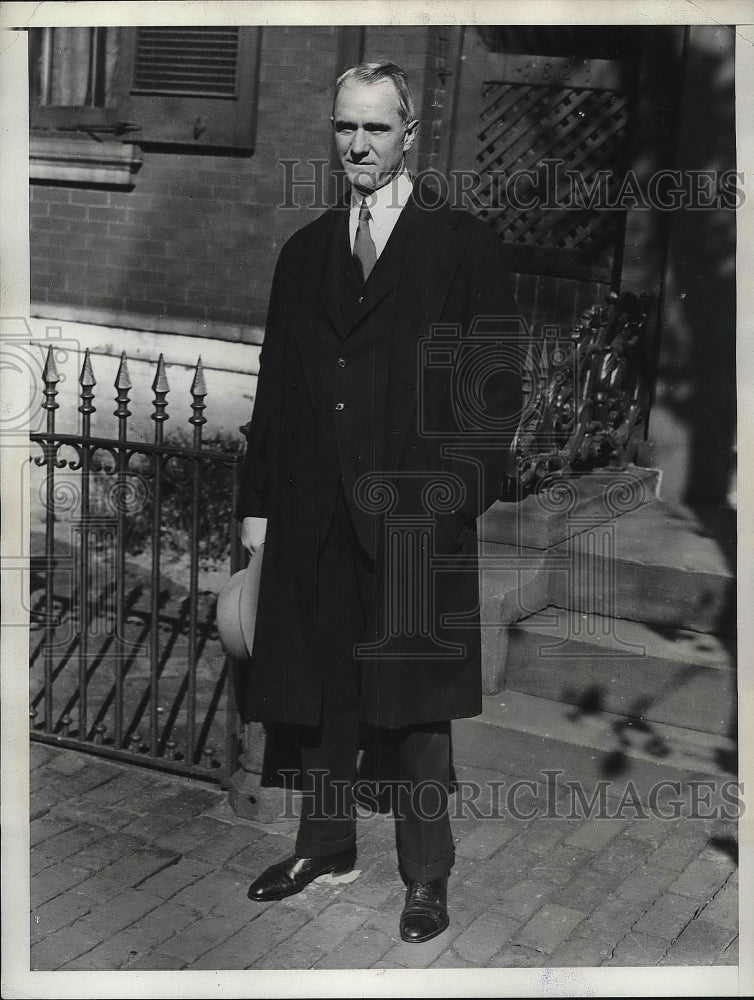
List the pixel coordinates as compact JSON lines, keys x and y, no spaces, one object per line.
{"x":520,"y":127}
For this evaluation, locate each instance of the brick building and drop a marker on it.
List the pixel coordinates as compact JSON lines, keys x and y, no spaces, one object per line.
{"x":156,"y":209}
{"x":179,"y":238}
{"x":161,"y":162}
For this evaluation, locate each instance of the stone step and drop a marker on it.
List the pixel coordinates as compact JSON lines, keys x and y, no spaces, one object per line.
{"x":557,"y":510}
{"x":648,"y":673}
{"x":523,"y":735}
{"x":663,"y":564}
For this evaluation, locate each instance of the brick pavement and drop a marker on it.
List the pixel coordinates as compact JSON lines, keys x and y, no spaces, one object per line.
{"x":132,"y":869}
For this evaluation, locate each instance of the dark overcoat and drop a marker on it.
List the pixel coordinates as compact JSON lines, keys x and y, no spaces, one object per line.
{"x":449,"y":283}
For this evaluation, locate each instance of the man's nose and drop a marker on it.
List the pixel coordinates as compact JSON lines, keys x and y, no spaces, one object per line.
{"x":359,"y":143}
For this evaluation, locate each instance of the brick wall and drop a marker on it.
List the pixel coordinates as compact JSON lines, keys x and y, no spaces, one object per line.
{"x":404,"y":45}
{"x":197,"y":237}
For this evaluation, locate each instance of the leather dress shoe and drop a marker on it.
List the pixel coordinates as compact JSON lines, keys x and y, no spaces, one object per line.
{"x":425,"y":912}
{"x":287,"y":877}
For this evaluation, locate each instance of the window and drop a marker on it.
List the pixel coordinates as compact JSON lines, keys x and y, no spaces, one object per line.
{"x":178,"y":85}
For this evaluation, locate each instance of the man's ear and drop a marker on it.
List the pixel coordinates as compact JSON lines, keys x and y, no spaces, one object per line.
{"x":411,"y":130}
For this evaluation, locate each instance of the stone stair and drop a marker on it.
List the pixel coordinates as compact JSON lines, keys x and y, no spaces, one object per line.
{"x":647,"y":672}
{"x":613,"y":635}
{"x":672,"y":565}
{"x":520,"y":734}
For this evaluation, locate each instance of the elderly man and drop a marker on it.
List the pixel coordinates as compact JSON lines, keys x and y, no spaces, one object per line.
{"x":352,"y":443}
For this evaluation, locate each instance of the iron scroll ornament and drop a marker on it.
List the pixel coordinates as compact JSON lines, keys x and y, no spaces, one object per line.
{"x":586,"y":395}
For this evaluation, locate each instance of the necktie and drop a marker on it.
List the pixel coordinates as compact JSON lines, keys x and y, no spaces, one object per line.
{"x":364,"y":250}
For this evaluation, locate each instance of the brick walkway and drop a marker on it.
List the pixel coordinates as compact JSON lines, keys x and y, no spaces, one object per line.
{"x":136,"y":870}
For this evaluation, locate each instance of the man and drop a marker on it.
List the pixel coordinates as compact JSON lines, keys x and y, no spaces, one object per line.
{"x":348,"y":439}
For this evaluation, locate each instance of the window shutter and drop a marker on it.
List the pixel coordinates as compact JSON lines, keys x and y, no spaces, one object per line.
{"x":191,"y":86}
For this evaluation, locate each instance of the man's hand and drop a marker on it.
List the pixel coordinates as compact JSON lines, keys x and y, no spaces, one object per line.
{"x":253,"y":531}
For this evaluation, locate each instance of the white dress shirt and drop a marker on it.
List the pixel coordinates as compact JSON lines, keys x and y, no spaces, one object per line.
{"x":385,"y":205}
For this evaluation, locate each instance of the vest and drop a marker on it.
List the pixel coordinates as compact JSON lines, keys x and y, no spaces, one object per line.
{"x":354,"y":326}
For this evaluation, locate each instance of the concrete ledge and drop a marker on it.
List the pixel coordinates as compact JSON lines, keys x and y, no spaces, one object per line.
{"x":148,"y":322}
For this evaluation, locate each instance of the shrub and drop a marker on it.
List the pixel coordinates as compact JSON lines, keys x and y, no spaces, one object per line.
{"x":215,"y":514}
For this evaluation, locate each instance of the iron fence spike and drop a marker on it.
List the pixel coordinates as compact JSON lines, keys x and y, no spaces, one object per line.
{"x":87,"y":374}
{"x":199,"y":386}
{"x":50,"y":373}
{"x":123,"y":378}
{"x":160,"y":383}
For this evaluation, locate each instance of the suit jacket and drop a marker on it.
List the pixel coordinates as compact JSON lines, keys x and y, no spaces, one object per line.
{"x":354,"y":324}
{"x":447,"y":281}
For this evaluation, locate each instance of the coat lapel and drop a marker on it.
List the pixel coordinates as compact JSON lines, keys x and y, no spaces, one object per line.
{"x":308,"y":276}
{"x":420,"y":264}
{"x":432,"y":255}
{"x":337,"y":273}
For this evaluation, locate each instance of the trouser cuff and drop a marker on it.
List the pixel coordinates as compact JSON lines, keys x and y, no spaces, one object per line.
{"x":414,"y":872}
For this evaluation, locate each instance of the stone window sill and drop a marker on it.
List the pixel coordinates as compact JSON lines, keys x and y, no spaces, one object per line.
{"x":83,"y":160}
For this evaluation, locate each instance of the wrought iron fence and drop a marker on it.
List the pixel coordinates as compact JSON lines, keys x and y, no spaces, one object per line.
{"x":125,"y":659}
{"x":130,"y":667}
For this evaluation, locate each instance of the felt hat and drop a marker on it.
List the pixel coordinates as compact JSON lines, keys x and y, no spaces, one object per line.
{"x":237,"y":609}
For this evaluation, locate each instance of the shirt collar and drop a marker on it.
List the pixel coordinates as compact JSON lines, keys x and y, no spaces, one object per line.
{"x":392,"y":197}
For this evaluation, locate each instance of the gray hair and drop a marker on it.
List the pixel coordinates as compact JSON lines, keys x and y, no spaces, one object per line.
{"x":374,"y":73}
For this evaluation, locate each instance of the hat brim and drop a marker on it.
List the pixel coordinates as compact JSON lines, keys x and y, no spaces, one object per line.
{"x":237,"y":609}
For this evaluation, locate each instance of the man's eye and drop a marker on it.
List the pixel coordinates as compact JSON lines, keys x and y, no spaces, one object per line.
{"x":344,"y":129}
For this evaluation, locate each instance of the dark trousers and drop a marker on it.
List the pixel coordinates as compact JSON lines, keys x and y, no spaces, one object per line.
{"x":346,"y":583}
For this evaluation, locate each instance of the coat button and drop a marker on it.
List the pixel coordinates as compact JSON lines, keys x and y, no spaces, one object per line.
{"x":341,"y":362}
{"x":291,"y":482}
{"x":340,"y":406}
{"x":361,"y":299}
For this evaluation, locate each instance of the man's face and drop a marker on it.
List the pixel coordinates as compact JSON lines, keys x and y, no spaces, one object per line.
{"x":370,"y":134}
